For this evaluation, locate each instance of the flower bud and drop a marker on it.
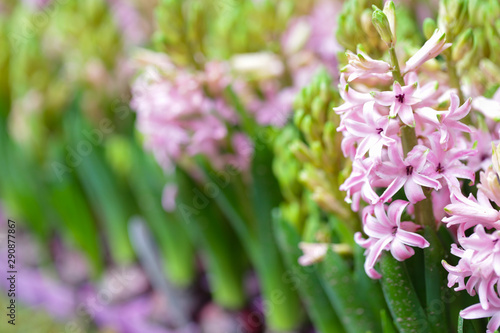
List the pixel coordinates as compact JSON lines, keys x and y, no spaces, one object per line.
{"x":298,"y":116}
{"x":381,"y":23}
{"x":301,"y":152}
{"x":390,"y":12}
{"x":318,"y":110}
{"x":463,"y":45}
{"x":429,"y":26}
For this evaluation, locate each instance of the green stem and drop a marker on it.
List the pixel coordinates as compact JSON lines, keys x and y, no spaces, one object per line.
{"x":453,"y":75}
{"x":396,"y":71}
{"x":424,"y":216}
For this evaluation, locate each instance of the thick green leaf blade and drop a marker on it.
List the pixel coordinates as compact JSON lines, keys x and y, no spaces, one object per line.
{"x":306,"y":281}
{"x":403,"y":302}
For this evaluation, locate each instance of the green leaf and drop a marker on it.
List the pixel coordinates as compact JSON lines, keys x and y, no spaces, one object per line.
{"x":171,"y":235}
{"x":100,"y":186}
{"x":266,"y":196}
{"x":221,"y":254}
{"x":352,"y":308}
{"x":435,"y":283}
{"x":306,"y":280}
{"x":403,"y":302}
{"x":387,"y":326}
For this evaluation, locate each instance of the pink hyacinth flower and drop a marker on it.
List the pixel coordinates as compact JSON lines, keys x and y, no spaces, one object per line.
{"x":387,"y":232}
{"x":431,"y":49}
{"x":448,"y":122}
{"x":374,"y":129}
{"x":446,"y":164}
{"x":361,"y":66}
{"x":358,"y":185}
{"x":406,"y":173}
{"x":400,"y":100}
{"x":469,"y":212}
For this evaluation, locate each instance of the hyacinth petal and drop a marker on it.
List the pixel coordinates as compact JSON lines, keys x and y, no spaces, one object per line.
{"x":376,"y":229}
{"x":353,"y":96}
{"x":389,"y":170}
{"x":393,"y":188}
{"x":409,"y":89}
{"x":369,"y":194}
{"x":461,"y":172}
{"x":482,"y":292}
{"x":496,"y":264}
{"x":312,"y":253}
{"x":412,"y":239}
{"x":459,"y":126}
{"x":395,"y":156}
{"x":400,"y":251}
{"x":405,"y":113}
{"x":494,"y":323}
{"x":461,"y":111}
{"x":358,"y":238}
{"x":467,"y":207}
{"x":373,"y":254}
{"x":366,"y":144}
{"x":397,"y":89}
{"x":454,"y":102}
{"x":426,"y":181}
{"x":385,"y":98}
{"x":395,"y":210}
{"x":417,"y":157}
{"x":428,"y":114}
{"x":344,"y":108}
{"x":358,"y":129}
{"x":432,"y":48}
{"x":476,"y":311}
{"x":382,"y":218}
{"x":413,"y":191}
{"x":456,"y":270}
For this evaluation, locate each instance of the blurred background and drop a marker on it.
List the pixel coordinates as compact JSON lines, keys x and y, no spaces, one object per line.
{"x":110,"y":149}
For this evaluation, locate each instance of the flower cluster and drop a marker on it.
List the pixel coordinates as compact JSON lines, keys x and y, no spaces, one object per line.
{"x":183,"y":114}
{"x":307,"y":46}
{"x":478,"y":270}
{"x":403,"y":142}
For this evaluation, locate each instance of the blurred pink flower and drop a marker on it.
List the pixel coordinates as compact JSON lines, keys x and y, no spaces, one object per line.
{"x":179,"y":120}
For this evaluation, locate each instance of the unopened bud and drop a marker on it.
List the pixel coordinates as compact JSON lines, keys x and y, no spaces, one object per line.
{"x":463,"y":45}
{"x":318,"y":110}
{"x":301,"y":152}
{"x":381,"y":23}
{"x":390,"y":13}
{"x":429,"y":26}
{"x":298,"y":116}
